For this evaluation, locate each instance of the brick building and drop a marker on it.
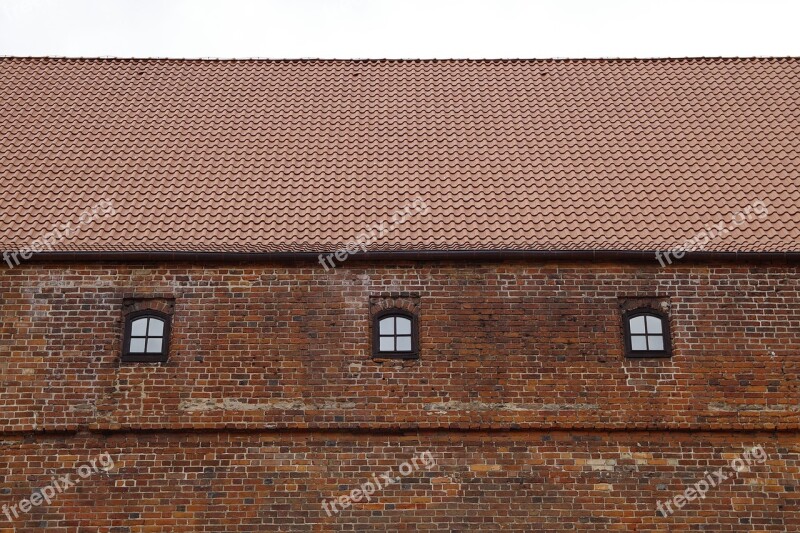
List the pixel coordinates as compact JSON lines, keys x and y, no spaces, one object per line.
{"x":400,"y":295}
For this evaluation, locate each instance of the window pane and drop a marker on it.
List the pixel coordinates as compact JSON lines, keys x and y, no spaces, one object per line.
{"x":403,"y":326}
{"x":387,"y":325}
{"x":137,"y":346}
{"x":139,"y":327}
{"x":638,"y":343}
{"x":387,"y":344}
{"x":653,"y":324}
{"x":656,"y":342}
{"x":637,"y":324}
{"x":156,"y":328}
{"x":403,"y":344}
{"x":153,"y":345}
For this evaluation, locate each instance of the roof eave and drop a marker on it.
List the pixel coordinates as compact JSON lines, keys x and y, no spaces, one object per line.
{"x":626,"y":256}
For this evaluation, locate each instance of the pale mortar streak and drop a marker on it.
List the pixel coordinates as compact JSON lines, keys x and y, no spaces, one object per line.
{"x":481,"y":406}
{"x":733,"y":408}
{"x":231,"y":404}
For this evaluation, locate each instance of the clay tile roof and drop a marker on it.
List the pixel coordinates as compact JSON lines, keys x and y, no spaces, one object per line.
{"x":259,"y":156}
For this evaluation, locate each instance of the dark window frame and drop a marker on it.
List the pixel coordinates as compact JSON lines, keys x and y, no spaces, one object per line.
{"x":665,"y":333}
{"x":161,"y":357}
{"x":376,"y":334}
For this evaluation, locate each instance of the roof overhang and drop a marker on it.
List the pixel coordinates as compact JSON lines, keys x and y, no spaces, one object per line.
{"x":621,"y":256}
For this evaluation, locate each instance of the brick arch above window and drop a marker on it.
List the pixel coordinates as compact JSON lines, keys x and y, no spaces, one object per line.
{"x":404,"y":302}
{"x":161,"y":304}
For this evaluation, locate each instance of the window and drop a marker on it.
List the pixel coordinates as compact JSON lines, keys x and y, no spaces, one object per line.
{"x":146,"y":337}
{"x":395,"y":334}
{"x":646,"y":333}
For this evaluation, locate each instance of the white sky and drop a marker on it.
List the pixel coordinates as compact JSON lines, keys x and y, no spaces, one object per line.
{"x":399,"y":28}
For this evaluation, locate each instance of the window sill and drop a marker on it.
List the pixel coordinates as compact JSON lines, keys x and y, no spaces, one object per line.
{"x":648,"y":355}
{"x":395,"y":355}
{"x":143,"y":358}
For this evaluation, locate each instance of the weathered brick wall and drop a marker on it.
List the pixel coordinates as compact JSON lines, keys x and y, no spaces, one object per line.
{"x":270,"y":402}
{"x":499,"y":481}
{"x":503,"y":346}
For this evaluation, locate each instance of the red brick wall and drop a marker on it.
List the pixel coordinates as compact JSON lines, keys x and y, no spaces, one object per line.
{"x":518,"y":345}
{"x":521,"y":481}
{"x":272,"y":362}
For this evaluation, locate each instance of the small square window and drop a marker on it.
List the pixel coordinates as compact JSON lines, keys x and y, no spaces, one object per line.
{"x":146,"y":337}
{"x":395,"y":334}
{"x":646,"y":333}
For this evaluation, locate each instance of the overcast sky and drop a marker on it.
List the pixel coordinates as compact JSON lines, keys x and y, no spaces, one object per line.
{"x":399,"y":28}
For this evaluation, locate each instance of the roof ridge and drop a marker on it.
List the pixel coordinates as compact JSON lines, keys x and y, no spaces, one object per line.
{"x":409,"y":60}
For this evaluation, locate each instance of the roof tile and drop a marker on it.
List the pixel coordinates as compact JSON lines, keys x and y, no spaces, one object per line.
{"x":254,"y":155}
